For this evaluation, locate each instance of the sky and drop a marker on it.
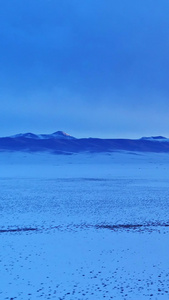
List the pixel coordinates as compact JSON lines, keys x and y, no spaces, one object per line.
{"x":97,"y":68}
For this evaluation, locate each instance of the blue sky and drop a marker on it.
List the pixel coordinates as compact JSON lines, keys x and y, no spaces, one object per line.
{"x":90,"y":68}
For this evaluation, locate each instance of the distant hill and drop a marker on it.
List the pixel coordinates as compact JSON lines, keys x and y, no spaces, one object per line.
{"x":60,"y":142}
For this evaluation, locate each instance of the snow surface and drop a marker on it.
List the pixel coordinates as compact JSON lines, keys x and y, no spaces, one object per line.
{"x":84,"y":226}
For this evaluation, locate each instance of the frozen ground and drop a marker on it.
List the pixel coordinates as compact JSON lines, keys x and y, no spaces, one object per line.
{"x":82,"y":227}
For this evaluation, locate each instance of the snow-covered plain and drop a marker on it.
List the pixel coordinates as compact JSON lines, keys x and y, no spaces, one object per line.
{"x":84,"y":226}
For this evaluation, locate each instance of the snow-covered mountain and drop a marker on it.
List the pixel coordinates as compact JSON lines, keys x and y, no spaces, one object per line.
{"x":57,"y":134}
{"x":61,"y":142}
{"x":155,"y":138}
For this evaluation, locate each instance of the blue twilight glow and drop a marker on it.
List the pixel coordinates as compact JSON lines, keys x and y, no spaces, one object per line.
{"x":90,"y":68}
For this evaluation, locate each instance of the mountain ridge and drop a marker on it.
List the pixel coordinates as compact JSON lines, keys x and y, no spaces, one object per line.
{"x":60,"y":142}
{"x":57,"y":134}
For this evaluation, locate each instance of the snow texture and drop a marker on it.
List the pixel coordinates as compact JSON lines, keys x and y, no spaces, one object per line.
{"x":84,"y":226}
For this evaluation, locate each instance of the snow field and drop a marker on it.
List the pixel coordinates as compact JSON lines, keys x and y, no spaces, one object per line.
{"x":84,"y":227}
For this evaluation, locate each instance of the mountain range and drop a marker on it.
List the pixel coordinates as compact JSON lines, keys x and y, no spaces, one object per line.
{"x":60,"y":142}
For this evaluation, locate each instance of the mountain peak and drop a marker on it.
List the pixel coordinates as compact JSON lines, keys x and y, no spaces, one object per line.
{"x":27,"y":135}
{"x":61,"y":133}
{"x":55,"y":135}
{"x":154,"y":138}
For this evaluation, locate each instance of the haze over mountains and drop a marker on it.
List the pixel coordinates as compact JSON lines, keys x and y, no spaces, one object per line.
{"x":60,"y":142}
